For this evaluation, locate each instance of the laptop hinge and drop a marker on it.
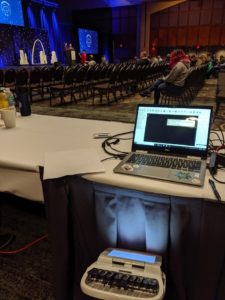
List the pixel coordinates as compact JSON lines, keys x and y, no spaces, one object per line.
{"x":194,"y":157}
{"x":141,"y":151}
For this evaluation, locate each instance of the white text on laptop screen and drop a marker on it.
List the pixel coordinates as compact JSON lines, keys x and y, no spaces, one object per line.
{"x":172,"y":127}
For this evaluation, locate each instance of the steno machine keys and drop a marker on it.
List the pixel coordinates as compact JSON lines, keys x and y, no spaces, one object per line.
{"x":120,"y":274}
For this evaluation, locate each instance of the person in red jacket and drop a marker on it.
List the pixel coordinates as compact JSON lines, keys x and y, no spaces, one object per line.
{"x":83,"y":56}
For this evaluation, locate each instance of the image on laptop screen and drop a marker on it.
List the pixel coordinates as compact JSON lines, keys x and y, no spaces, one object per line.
{"x":172,"y":129}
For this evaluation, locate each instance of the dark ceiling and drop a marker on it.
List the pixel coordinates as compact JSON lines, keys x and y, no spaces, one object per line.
{"x":90,"y":4}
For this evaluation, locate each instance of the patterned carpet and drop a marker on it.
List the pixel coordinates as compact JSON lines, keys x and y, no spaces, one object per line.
{"x":124,"y":110}
{"x":26,"y":275}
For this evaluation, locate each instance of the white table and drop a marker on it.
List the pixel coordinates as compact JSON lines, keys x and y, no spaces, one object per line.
{"x":23,"y":149}
{"x":111,"y":210}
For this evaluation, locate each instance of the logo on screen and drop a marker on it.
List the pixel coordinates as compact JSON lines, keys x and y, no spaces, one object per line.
{"x":88,"y":40}
{"x":6,"y":8}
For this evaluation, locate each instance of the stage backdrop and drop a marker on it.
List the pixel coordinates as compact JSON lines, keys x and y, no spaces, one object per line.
{"x":14,"y":38}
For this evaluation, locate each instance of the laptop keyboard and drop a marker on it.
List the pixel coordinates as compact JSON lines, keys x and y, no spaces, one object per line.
{"x":165,"y":162}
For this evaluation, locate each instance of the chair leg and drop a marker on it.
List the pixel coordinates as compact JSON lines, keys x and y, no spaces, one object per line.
{"x":93,"y":97}
{"x":114,"y":95}
{"x":50,"y":98}
{"x":62,"y":98}
{"x":217,"y":107}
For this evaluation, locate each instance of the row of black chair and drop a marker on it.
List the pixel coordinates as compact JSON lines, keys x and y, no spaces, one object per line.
{"x":81,"y":81}
{"x":193,"y":83}
{"x":33,"y":80}
{"x":110,"y":81}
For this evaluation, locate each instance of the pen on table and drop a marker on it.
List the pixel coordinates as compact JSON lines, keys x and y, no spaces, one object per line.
{"x":213,"y":186}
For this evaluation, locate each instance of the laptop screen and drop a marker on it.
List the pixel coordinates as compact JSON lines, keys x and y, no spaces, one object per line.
{"x":170,"y":129}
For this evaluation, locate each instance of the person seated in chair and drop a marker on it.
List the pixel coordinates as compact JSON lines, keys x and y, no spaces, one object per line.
{"x":173,"y":82}
{"x":91,"y":61}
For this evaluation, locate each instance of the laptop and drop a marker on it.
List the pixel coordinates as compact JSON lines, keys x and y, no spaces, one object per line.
{"x":169,"y":143}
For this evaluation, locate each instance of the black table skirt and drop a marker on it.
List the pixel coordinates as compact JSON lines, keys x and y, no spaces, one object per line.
{"x":85,"y":218}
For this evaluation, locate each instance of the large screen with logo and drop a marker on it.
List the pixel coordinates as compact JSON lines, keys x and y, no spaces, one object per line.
{"x":11,"y":12}
{"x":88,"y":40}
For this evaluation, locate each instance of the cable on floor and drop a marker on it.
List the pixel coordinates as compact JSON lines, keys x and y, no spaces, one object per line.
{"x":24,"y":247}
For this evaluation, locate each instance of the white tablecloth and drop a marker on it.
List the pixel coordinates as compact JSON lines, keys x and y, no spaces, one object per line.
{"x":23,"y":149}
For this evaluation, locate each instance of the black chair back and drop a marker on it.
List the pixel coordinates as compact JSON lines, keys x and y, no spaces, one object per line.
{"x":22,"y":77}
{"x":35,"y":76}
{"x":10,"y":77}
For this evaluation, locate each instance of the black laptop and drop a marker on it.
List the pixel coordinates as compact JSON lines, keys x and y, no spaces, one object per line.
{"x":169,"y":143}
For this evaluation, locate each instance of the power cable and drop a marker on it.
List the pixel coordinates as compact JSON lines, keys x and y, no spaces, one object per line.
{"x":24,"y":247}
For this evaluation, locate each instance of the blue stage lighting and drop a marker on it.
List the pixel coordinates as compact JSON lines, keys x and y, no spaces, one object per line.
{"x":46,"y":3}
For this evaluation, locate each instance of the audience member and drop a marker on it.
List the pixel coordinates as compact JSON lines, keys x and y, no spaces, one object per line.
{"x":201,"y":60}
{"x":193,"y":60}
{"x":159,"y":58}
{"x":70,"y":47}
{"x":83,"y":56}
{"x":69,"y":54}
{"x":154,"y":61}
{"x":144,"y":59}
{"x":104,"y":60}
{"x":175,"y":80}
{"x":143,"y":53}
{"x":91,"y":61}
{"x":214,"y":67}
{"x":211,"y":62}
{"x":221,"y":63}
{"x":65,"y":46}
{"x":222,"y":60}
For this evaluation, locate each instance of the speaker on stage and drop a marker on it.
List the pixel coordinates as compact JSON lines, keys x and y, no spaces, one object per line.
{"x":70,"y":55}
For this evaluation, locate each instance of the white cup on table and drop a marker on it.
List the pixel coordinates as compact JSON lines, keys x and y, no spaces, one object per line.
{"x":9,"y":117}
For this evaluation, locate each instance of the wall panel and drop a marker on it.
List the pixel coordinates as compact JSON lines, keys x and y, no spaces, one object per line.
{"x":217,"y":16}
{"x":173,"y":19}
{"x":196,"y":22}
{"x":205,"y":17}
{"x":222,"y":38}
{"x":183,"y":18}
{"x":194,"y":17}
{"x":172,"y":37}
{"x":155,"y":20}
{"x":192,"y":36}
{"x":218,"y":4}
{"x":184,"y":6}
{"x":163,"y":37}
{"x":182,"y":36}
{"x":154,"y":37}
{"x":204,"y":35}
{"x":164,"y":20}
{"x":214,"y":38}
